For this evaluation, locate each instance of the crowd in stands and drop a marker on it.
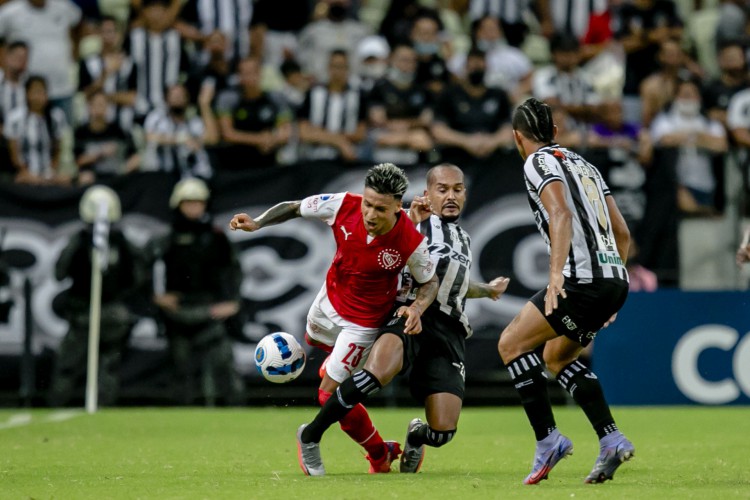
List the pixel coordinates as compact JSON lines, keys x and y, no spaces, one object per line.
{"x":194,"y":86}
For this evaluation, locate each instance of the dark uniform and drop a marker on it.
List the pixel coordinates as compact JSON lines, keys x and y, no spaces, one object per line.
{"x":200,"y":267}
{"x":436,"y":356}
{"x":118,"y":282}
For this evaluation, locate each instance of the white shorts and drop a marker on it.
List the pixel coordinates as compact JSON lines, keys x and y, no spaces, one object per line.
{"x":351,"y":342}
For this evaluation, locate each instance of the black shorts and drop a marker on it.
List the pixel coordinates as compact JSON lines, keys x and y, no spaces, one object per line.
{"x":435,"y":356}
{"x":588,"y":306}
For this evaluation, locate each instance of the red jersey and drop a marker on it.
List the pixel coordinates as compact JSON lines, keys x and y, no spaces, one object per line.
{"x":363,"y":277}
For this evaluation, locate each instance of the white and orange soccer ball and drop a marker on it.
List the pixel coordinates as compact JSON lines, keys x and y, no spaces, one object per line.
{"x":279,"y":357}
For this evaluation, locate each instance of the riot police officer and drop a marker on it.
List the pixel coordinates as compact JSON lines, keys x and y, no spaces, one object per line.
{"x":198,"y":290}
{"x":118,"y":282}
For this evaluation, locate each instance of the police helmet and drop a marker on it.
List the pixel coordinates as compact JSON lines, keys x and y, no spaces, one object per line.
{"x":188,"y":190}
{"x":92,"y":199}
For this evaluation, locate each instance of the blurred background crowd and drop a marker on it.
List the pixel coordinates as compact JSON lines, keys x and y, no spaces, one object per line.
{"x":657,"y":92}
{"x":91,"y":89}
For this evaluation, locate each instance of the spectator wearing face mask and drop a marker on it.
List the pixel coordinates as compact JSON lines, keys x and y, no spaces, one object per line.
{"x":432,"y":71}
{"x":398,"y":111}
{"x":372,"y":54}
{"x":508,"y":67}
{"x":472,"y":121}
{"x":175,"y":142}
{"x":697,"y":139}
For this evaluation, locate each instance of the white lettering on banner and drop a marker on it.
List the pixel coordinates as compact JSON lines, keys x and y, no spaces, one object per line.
{"x":687,"y":374}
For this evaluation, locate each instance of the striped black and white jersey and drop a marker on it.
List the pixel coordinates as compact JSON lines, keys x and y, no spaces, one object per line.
{"x":571,"y":89}
{"x":124,"y":80}
{"x":12,"y":95}
{"x":450,"y":251}
{"x":510,"y":11}
{"x":158,"y":59}
{"x":230,"y":17}
{"x":337,"y":112}
{"x":572,"y":16}
{"x":181,"y":159}
{"x":593,"y":250}
{"x":36,"y":136}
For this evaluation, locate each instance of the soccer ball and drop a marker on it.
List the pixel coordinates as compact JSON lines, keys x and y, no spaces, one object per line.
{"x":279,"y":357}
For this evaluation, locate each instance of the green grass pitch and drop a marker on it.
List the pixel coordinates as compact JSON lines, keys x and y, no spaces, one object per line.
{"x":251,"y":454}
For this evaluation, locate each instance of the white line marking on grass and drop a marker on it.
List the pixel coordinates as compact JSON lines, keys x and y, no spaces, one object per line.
{"x":21,"y":419}
{"x":63,"y":415}
{"x":16,"y":420}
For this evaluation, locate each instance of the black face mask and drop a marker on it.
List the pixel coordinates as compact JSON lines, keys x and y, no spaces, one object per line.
{"x":177,"y":110}
{"x":337,"y":12}
{"x":476,"y":77}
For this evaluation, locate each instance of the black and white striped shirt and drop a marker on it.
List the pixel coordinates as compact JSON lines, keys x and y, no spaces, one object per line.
{"x":125,"y":80}
{"x":231,"y":17}
{"x":180,"y":158}
{"x":12,"y":95}
{"x":510,"y":11}
{"x":450,"y":252}
{"x":593,"y":250}
{"x":337,"y":112}
{"x":35,"y":135}
{"x":572,"y":16}
{"x":571,"y":89}
{"x":158,"y":59}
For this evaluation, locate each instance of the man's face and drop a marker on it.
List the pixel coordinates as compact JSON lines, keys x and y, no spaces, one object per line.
{"x":566,"y":60}
{"x":177,"y":97}
{"x":16,"y":60}
{"x":193,"y":209}
{"x":404,"y":59}
{"x":98,"y":107}
{"x":379,"y":211}
{"x":338,"y":69}
{"x":109,"y":34}
{"x":249,"y":73}
{"x":446,"y":193}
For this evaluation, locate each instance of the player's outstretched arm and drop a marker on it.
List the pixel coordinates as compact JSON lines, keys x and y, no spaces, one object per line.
{"x":275,"y":215}
{"x":425,"y":295}
{"x":492,"y":290}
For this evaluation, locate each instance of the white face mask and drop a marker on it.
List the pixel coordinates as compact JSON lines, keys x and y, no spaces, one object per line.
{"x":374,"y":70}
{"x":489,"y":45}
{"x":687,"y":107}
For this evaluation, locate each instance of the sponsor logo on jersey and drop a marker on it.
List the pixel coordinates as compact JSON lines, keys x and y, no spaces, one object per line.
{"x":609,"y":259}
{"x":389,"y":258}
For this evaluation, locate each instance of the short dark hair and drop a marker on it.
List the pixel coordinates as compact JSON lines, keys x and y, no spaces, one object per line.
{"x":289,"y":67}
{"x":32,"y":79}
{"x":563,"y":42}
{"x":533,"y":119}
{"x":387,"y":178}
{"x":338,"y":52}
{"x":18,"y":44}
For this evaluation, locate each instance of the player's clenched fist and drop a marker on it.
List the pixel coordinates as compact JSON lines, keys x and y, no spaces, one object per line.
{"x":244,"y":222}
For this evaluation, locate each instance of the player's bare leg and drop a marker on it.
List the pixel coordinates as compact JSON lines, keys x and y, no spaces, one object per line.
{"x":561,"y":356}
{"x":442,"y":411}
{"x":516,"y":347}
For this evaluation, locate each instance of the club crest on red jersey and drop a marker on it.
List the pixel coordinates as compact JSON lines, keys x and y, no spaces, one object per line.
{"x":389,"y":258}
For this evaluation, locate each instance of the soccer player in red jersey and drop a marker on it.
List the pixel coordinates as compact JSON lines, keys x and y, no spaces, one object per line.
{"x":375,"y":240}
